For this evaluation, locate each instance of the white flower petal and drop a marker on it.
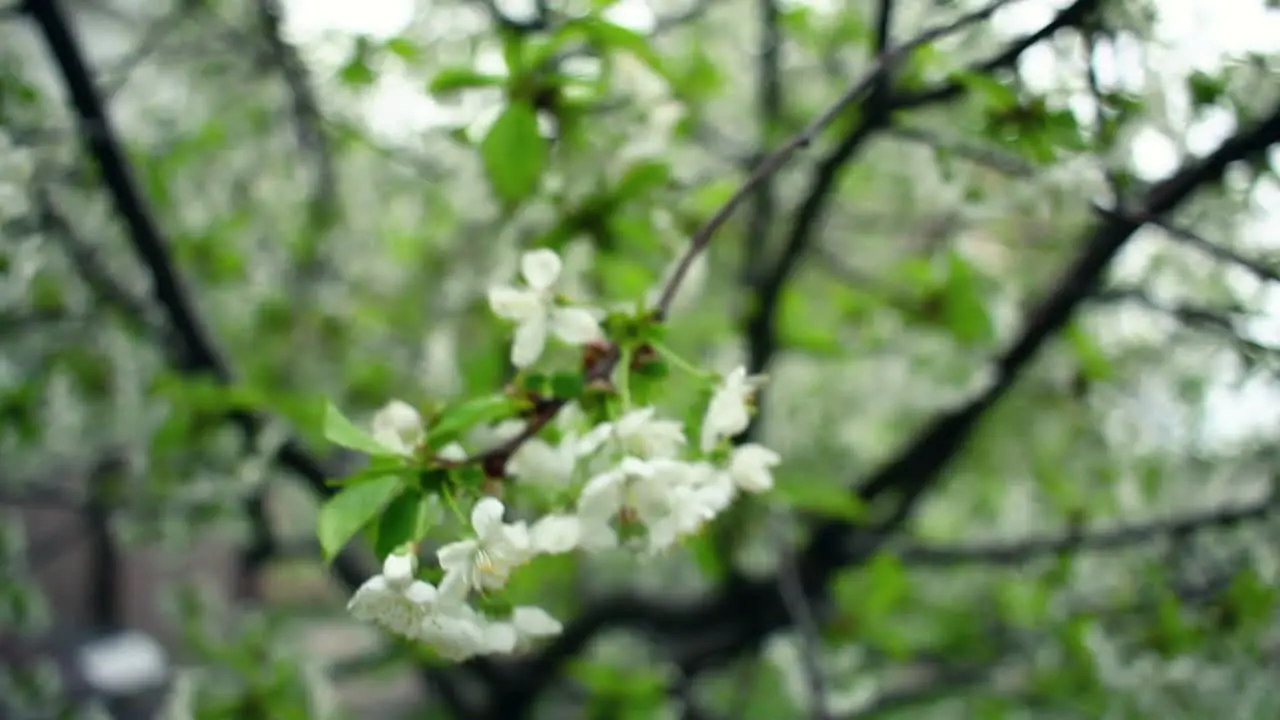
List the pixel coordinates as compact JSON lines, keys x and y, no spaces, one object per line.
{"x":421,"y":593}
{"x":514,"y":304}
{"x":576,"y":326}
{"x":750,"y":466}
{"x":592,"y":441}
{"x":534,"y":621}
{"x":529,"y":341}
{"x":454,"y":588}
{"x":597,"y":535}
{"x":540,"y":268}
{"x":457,"y":556}
{"x":601,"y":497}
{"x":399,"y":568}
{"x":453,"y":452}
{"x":537,"y":460}
{"x":486,"y":516}
{"x":555,"y":534}
{"x":398,"y":426}
{"x":500,"y":637}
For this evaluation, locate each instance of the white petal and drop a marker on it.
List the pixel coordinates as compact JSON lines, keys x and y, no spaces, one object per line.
{"x":399,"y":568}
{"x":457,"y":556}
{"x":601,"y":497}
{"x":453,"y":452}
{"x":515,"y":543}
{"x":534,"y":621}
{"x":398,"y":426}
{"x":634,"y":421}
{"x":513,"y":304}
{"x":555,"y":534}
{"x":754,"y":455}
{"x":422,"y":593}
{"x":575,"y":326}
{"x":364,"y":603}
{"x":454,"y":588}
{"x":500,"y":637}
{"x":529,"y":341}
{"x":540,"y":268}
{"x":454,"y":637}
{"x":636,"y":467}
{"x":594,"y":439}
{"x":750,"y":467}
{"x":537,"y":460}
{"x":597,"y":536}
{"x":486,"y":516}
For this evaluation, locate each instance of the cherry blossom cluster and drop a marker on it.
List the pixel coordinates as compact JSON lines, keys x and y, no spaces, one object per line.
{"x":620,"y":477}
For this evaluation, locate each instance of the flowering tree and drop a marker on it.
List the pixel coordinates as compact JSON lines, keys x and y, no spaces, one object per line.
{"x":607,"y":346}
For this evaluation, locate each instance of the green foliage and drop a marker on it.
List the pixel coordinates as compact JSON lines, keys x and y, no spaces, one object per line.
{"x":455,"y":419}
{"x":354,"y":507}
{"x":336,"y":242}
{"x":515,"y":153}
{"x":344,"y":433}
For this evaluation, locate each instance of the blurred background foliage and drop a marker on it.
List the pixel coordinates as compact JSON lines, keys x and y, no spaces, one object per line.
{"x":289,"y":203}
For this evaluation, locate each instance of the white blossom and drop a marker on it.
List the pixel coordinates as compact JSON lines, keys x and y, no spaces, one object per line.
{"x":539,"y":461}
{"x":398,"y":427}
{"x":486,"y":560}
{"x":456,"y":634}
{"x":526,"y":624}
{"x":395,"y":600}
{"x":676,"y":504}
{"x":751,"y":467}
{"x":535,"y":311}
{"x":555,"y":534}
{"x":453,"y":452}
{"x":637,"y":433}
{"x":729,"y":411}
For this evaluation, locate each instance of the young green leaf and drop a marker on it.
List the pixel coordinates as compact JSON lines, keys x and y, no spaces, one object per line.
{"x":348,"y":511}
{"x":399,"y":523}
{"x":404,"y":48}
{"x":467,"y":414}
{"x":819,"y":498}
{"x":342,"y":432}
{"x":515,"y":153}
{"x":456,"y":79}
{"x":964,"y":307}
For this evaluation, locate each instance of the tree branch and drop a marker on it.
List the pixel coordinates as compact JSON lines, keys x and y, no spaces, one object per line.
{"x":1022,"y":551}
{"x":1074,"y":15}
{"x":197,"y":353}
{"x":737,"y":618}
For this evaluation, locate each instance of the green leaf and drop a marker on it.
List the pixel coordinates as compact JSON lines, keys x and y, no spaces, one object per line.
{"x":342,"y":432}
{"x":887,"y":584}
{"x":350,"y":510}
{"x":404,"y":48}
{"x":995,"y":95}
{"x":456,"y":79}
{"x":1093,"y":360}
{"x":611,"y":37}
{"x":399,"y":523}
{"x":1205,"y":89}
{"x":821,"y":499}
{"x":515,"y":153}
{"x":964,"y":308}
{"x":461,"y":417}
{"x":803,"y":327}
{"x":710,"y":197}
{"x":566,"y":384}
{"x":513,"y":51}
{"x":357,"y":71}
{"x":641,"y":178}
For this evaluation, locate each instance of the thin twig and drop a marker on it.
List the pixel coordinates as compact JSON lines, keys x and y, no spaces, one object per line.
{"x":806,"y":626}
{"x":804,"y":138}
